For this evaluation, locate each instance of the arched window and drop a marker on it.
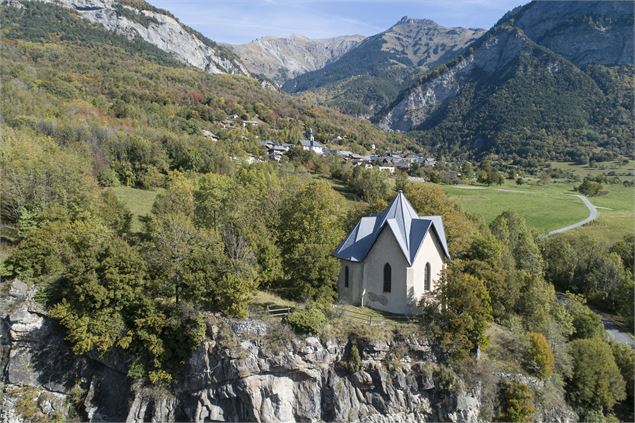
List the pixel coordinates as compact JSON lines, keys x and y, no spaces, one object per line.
{"x":387,"y":278}
{"x":345,"y":276}
{"x":428,"y":285}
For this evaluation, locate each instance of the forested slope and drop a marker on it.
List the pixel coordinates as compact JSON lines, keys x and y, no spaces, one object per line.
{"x":531,"y":88}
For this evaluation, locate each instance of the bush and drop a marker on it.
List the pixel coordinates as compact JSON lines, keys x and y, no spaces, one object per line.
{"x":516,"y":403}
{"x":589,"y":187}
{"x":311,"y":320}
{"x":354,"y":359}
{"x":540,"y":355}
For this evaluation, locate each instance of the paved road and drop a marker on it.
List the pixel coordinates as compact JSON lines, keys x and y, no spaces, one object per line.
{"x":616,"y":333}
{"x":593,"y":214}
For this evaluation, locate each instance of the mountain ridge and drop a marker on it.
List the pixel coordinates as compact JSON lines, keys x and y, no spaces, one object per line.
{"x":282,"y":58}
{"x":137,"y":18}
{"x":371,"y":75}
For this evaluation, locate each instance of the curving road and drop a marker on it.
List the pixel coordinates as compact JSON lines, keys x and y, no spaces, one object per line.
{"x":593,"y":214}
{"x":616,"y":333}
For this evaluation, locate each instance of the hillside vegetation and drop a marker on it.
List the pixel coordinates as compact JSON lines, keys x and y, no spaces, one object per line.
{"x":512,"y":95}
{"x":136,"y":108}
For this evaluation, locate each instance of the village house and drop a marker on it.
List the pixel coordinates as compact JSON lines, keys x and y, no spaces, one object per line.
{"x":389,"y":169}
{"x":390,"y":261}
{"x":311,"y":144}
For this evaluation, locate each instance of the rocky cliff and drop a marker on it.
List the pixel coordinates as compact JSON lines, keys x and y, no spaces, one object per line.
{"x":157,"y":27}
{"x":585,"y":32}
{"x":248,"y":370}
{"x":282,"y":58}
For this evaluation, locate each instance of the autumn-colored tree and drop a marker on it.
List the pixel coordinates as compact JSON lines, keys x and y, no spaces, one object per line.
{"x":540,"y":355}
{"x":515,"y":403}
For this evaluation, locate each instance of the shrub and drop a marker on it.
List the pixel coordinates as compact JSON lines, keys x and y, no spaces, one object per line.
{"x":540,"y":355}
{"x":354,"y":359}
{"x":446,"y":379}
{"x":311,"y":320}
{"x":516,"y":403}
{"x":589,"y":187}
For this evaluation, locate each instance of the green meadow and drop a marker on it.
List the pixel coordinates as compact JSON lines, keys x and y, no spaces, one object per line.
{"x":614,"y":168}
{"x":551,"y":206}
{"x":138,"y":201}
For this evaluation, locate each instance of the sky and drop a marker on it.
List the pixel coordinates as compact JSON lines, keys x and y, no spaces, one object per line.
{"x":240,"y":21}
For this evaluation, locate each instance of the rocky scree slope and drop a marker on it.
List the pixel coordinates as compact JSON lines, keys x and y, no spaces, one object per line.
{"x":371,"y":75}
{"x":244,"y":371}
{"x":157,"y":27}
{"x":532,"y":70}
{"x":282,"y":58}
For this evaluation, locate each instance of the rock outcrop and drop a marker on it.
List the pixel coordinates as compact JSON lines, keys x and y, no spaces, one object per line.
{"x":282,"y":58}
{"x":248,"y":370}
{"x":158,"y":28}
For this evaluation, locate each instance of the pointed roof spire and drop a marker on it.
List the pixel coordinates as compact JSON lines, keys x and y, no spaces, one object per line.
{"x":408,"y":228}
{"x":402,"y":212}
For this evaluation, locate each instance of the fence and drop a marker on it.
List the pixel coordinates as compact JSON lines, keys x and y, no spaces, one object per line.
{"x":279,"y":312}
{"x":347,"y":313}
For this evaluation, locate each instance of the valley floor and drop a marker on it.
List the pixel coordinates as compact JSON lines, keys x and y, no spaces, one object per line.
{"x":552,"y":206}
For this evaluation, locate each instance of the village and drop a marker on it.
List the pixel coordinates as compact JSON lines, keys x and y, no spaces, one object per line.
{"x":390,"y":162}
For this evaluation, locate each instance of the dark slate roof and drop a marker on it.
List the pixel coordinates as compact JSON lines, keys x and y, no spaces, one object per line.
{"x":408,"y":228}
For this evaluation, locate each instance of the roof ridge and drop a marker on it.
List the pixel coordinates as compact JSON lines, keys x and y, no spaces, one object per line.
{"x":402,"y":199}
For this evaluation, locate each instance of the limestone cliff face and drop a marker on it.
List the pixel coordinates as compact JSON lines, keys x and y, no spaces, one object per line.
{"x":557,"y":39}
{"x":159,"y":29}
{"x":244,"y":371}
{"x":597,"y":32}
{"x":423,"y":100}
{"x":282,"y":58}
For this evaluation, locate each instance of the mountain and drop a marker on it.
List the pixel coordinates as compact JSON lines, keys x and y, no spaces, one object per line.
{"x":282,"y":58}
{"x":137,"y":18}
{"x":371,"y":75}
{"x":550,"y":80}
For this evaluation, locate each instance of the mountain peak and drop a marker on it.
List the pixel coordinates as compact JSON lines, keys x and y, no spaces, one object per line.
{"x":406,"y":20}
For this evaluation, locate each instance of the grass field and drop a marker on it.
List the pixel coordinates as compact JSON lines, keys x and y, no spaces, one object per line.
{"x":547,"y":207}
{"x":138,"y":201}
{"x":617,"y":214}
{"x":623,"y":170}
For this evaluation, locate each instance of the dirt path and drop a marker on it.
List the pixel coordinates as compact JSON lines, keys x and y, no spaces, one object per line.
{"x":593,"y":214}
